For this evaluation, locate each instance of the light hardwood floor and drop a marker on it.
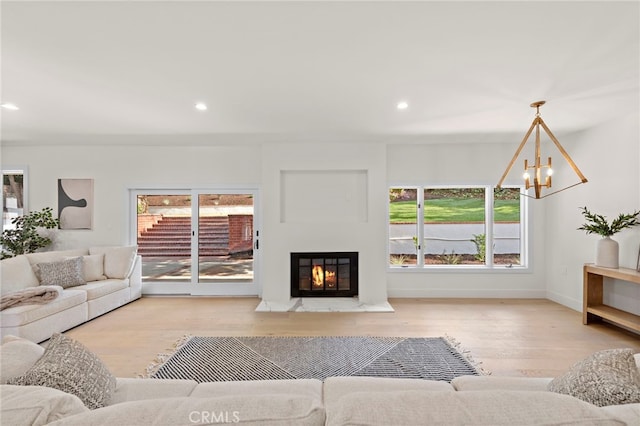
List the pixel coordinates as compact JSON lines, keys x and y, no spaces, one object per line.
{"x":510,"y":337}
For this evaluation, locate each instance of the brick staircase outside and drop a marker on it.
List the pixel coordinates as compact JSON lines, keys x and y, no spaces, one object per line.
{"x":171,"y":237}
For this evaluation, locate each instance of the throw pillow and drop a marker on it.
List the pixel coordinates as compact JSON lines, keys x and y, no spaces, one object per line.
{"x":16,"y":274}
{"x":93,"y":267}
{"x":118,"y":261}
{"x":69,"y":366}
{"x":36,"y":405}
{"x":65,"y":273}
{"x":608,"y":377}
{"x":17,"y":355}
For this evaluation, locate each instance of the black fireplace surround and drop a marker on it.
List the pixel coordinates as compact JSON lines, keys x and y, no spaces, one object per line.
{"x":324,"y":274}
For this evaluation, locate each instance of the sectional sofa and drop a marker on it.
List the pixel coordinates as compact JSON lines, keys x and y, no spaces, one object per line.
{"x":49,"y":387}
{"x":71,"y":286}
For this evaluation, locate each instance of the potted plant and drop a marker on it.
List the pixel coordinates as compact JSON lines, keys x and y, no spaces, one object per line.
{"x":25,"y":238}
{"x":607,"y":248}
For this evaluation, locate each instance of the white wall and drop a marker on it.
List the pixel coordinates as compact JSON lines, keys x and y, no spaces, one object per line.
{"x":608,"y":155}
{"x":136,"y":164}
{"x":119,"y":167}
{"x":463,"y":164}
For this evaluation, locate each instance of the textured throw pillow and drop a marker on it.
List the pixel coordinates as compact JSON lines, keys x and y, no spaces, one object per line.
{"x":68,"y":366}
{"x":118,"y":261}
{"x":65,"y":273}
{"x":608,"y":377}
{"x":17,"y":355}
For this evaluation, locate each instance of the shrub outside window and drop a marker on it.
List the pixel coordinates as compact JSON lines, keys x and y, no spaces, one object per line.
{"x":474,"y":226}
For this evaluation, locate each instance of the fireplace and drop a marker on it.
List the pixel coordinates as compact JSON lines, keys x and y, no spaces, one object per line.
{"x":324,"y":274}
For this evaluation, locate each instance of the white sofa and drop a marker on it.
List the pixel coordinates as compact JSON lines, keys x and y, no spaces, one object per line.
{"x":467,"y":400}
{"x":113,"y":277}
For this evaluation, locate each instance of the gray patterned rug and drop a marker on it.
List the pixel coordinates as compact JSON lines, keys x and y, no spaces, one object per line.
{"x":214,"y":359}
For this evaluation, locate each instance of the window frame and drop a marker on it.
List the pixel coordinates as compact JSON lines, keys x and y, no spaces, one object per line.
{"x":17,"y":170}
{"x":489,"y":266}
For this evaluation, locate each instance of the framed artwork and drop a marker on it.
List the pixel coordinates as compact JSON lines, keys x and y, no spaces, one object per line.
{"x":75,"y":203}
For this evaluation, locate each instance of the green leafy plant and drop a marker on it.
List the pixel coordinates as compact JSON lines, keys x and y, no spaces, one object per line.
{"x":450,"y":258}
{"x":598,"y":224}
{"x":480,"y":240}
{"x":398,"y":259}
{"x":25,"y":238}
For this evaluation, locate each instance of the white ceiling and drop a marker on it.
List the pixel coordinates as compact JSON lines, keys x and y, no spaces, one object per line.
{"x":321,"y":70}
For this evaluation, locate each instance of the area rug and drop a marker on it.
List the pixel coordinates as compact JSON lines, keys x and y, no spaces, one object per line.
{"x":214,"y":359}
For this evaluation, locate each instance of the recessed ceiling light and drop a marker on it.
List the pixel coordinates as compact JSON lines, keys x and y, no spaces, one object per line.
{"x":402,"y":105}
{"x":12,"y":107}
{"x":201,"y":106}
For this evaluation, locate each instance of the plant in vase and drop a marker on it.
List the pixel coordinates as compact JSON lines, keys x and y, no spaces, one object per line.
{"x":607,"y":248}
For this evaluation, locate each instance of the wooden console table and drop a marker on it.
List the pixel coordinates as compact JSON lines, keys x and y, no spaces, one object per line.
{"x":593,"y":308}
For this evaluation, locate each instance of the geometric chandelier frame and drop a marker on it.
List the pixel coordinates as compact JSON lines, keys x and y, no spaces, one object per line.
{"x":533,"y":173}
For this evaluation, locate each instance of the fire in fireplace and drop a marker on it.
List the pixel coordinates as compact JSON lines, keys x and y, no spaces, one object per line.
{"x":323,"y":274}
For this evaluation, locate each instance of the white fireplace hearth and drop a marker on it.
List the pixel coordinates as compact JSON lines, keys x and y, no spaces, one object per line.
{"x":323,"y":304}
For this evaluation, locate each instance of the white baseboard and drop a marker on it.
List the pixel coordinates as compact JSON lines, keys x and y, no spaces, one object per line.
{"x":574,"y":304}
{"x":467,"y":293}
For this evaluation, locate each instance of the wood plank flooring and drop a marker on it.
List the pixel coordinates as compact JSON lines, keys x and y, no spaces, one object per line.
{"x":510,"y":337}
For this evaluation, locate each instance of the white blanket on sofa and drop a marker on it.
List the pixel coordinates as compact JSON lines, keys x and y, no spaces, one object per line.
{"x":30,"y":296}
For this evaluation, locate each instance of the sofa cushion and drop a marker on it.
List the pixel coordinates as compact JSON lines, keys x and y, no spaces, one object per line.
{"x":480,"y":383}
{"x":495,"y":408}
{"x":311,"y":388}
{"x":16,"y":274}
{"x":65,"y":273}
{"x":98,"y":289}
{"x":336,"y":388}
{"x":608,"y":377}
{"x":24,"y":314}
{"x":70,"y":367}
{"x":54,"y":256}
{"x":128,"y":389}
{"x":37,"y":405}
{"x":17,"y":355}
{"x":629,"y":413}
{"x":118,"y":261}
{"x":254,"y":410}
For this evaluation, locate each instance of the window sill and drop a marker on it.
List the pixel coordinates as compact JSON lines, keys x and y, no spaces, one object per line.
{"x":460,"y":269}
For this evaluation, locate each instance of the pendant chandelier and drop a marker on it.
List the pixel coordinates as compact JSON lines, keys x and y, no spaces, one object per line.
{"x":536,"y":174}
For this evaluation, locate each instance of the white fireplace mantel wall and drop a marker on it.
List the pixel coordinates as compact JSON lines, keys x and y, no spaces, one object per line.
{"x":354,"y":176}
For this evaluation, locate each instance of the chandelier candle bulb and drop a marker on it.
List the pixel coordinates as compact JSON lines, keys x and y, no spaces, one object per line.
{"x":537,"y":167}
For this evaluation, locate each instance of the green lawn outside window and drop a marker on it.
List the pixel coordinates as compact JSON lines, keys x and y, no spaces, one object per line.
{"x":454,"y":210}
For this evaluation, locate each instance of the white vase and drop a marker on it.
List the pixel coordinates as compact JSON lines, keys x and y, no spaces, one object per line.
{"x":607,"y":253}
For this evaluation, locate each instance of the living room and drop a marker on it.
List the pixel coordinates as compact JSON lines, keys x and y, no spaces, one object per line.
{"x":605,"y":149}
{"x":306,"y":90}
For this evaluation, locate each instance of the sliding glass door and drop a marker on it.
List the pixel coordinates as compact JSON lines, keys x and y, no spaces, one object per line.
{"x":196,"y":241}
{"x":225,"y":237}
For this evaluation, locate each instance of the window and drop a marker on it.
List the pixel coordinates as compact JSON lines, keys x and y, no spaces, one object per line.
{"x":474,"y":226}
{"x":14,"y":187}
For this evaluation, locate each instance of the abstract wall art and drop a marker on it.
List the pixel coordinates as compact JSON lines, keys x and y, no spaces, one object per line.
{"x":75,"y":203}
